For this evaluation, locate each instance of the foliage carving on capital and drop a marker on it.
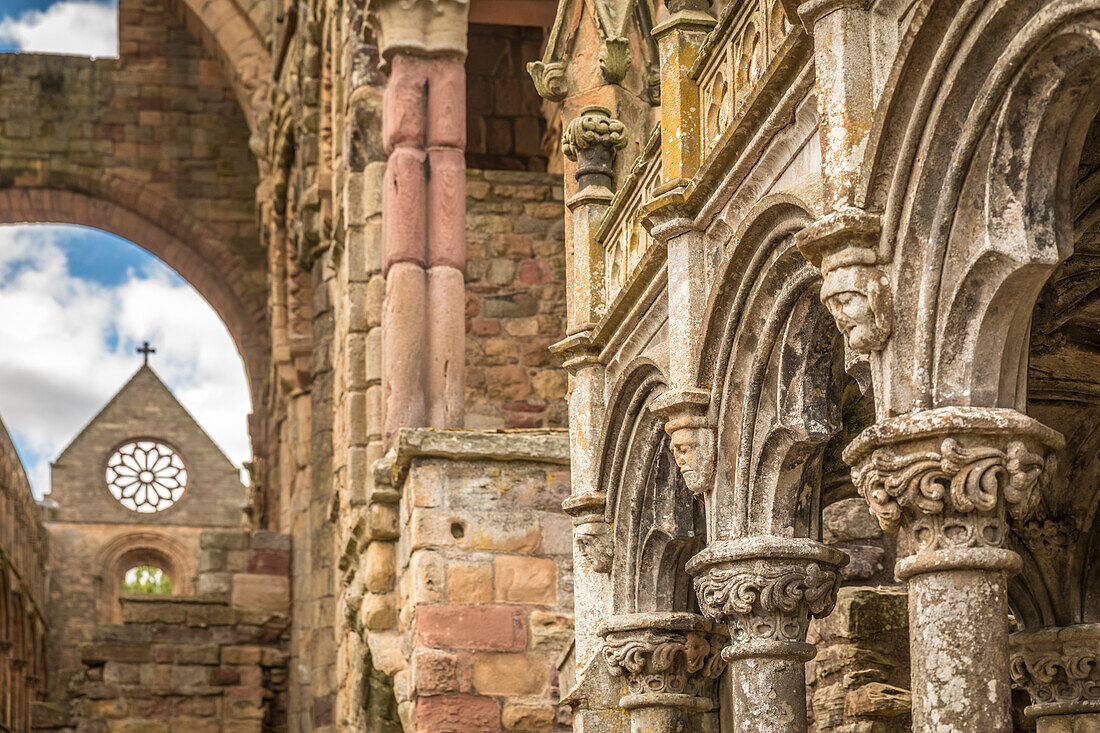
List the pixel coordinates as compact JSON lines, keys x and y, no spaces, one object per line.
{"x":549,"y":78}
{"x":951,"y":477}
{"x":1059,"y":668}
{"x":664,"y":661}
{"x":856,"y":289}
{"x":594,"y":128}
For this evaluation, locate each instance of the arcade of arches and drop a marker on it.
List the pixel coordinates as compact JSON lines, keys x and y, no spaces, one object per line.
{"x":615,"y":366}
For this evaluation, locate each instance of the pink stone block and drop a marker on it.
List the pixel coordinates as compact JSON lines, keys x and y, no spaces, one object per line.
{"x":447,"y":347}
{"x":447,"y":209}
{"x":404,"y":204}
{"x":404,"y":348}
{"x":404,"y":103}
{"x":446,"y":103}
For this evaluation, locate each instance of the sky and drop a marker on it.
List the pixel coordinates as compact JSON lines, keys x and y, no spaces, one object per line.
{"x":78,"y":27}
{"x":75,"y":303}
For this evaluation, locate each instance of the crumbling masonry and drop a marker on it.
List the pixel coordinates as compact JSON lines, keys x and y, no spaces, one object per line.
{"x":817,"y":445}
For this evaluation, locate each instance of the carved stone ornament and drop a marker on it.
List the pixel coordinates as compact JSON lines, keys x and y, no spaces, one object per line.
{"x":591,"y":532}
{"x":422,"y":27}
{"x":549,"y":78}
{"x":1049,"y":538}
{"x":615,"y":59}
{"x":1059,"y":668}
{"x":856,"y":290}
{"x":948,"y":476}
{"x":666,"y":658}
{"x":693,"y":440}
{"x":767,"y":589}
{"x":592,"y":138}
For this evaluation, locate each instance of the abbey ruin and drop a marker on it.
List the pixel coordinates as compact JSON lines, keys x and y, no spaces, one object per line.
{"x":616,"y":367}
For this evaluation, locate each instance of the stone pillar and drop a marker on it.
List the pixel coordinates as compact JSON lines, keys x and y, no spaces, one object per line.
{"x":845,"y":90}
{"x":1060,"y":669}
{"x":949,"y":479}
{"x":592,"y":139}
{"x":766,"y":589}
{"x":423,"y":44}
{"x":670,"y":661}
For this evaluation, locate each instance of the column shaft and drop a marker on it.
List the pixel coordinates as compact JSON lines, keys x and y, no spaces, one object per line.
{"x":769,"y":695}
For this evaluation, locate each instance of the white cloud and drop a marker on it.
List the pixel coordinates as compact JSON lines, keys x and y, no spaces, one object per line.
{"x":68,"y":347}
{"x":76,"y":27}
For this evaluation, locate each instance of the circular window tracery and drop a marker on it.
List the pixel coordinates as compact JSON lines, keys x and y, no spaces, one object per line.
{"x":146,"y":476}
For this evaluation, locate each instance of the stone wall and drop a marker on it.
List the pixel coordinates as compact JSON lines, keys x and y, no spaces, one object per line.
{"x":515,"y":300}
{"x":23,"y":557}
{"x":215,"y":661}
{"x":485,"y":589}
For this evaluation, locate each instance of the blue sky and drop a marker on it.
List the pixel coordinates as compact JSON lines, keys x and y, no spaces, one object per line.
{"x":74,"y":304}
{"x":79,"y":27}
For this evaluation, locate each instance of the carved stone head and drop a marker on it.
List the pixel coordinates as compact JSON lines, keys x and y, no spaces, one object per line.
{"x":859,"y":302}
{"x":594,"y":542}
{"x":693,"y":449}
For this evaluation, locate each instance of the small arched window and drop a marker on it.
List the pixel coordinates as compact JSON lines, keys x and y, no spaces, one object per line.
{"x":146,"y":580}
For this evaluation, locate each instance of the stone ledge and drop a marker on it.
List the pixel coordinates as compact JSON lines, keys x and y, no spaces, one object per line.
{"x":550,"y":445}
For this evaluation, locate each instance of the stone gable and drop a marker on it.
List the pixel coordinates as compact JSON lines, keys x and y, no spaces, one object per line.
{"x":145,"y":408}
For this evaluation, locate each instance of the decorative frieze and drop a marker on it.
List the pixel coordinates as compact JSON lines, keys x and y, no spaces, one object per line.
{"x":856,"y":289}
{"x":1059,"y":668}
{"x":950,"y":477}
{"x":767,"y":589}
{"x":667,"y":659}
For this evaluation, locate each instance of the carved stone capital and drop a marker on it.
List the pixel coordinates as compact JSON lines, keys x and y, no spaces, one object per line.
{"x":685,"y":413}
{"x":591,"y":532}
{"x":576,"y":352}
{"x":615,"y":59}
{"x":668,"y":659}
{"x":549,"y":78}
{"x":767,"y":589}
{"x":1059,"y":668}
{"x":592,"y":138}
{"x":856,"y":289}
{"x":1049,"y":538}
{"x":419,"y":27}
{"x":949,"y":478}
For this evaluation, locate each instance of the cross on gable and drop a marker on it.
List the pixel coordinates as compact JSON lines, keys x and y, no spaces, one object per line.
{"x":145,"y":350}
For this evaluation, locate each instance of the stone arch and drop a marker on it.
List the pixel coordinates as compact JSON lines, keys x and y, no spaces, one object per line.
{"x":231,"y":285}
{"x":972,"y":164}
{"x":771,"y":357}
{"x":652,"y":514}
{"x":134,"y":548}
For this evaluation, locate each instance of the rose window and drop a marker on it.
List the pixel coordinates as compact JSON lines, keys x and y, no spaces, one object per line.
{"x":146,"y":476}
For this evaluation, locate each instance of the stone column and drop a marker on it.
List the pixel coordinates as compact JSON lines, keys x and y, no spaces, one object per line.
{"x":592,"y":139}
{"x":949,"y":479}
{"x":1060,"y":669}
{"x":423,"y":45}
{"x":766,"y":589}
{"x":670,"y":661}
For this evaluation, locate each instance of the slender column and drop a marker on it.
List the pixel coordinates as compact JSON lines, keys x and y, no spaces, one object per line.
{"x":767,"y":589}
{"x":949,"y":479}
{"x":670,"y":661}
{"x":1060,"y":669}
{"x":592,"y":139}
{"x":423,"y":45}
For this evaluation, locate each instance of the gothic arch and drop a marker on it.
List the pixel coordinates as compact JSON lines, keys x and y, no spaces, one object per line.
{"x":140,"y":548}
{"x":771,"y":358}
{"x":232,"y":285}
{"x":652,"y":514}
{"x":971,"y":162}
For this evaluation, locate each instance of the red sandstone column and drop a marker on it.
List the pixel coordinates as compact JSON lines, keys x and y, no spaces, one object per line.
{"x":423,"y":214}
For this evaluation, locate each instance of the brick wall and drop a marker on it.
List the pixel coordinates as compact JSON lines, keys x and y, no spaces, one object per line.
{"x":505,"y":125}
{"x":23,"y":555}
{"x":515,"y":300}
{"x":485,"y":586}
{"x":207,"y":663}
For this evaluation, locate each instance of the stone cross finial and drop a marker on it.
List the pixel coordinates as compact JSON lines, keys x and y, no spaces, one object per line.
{"x":145,"y":350}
